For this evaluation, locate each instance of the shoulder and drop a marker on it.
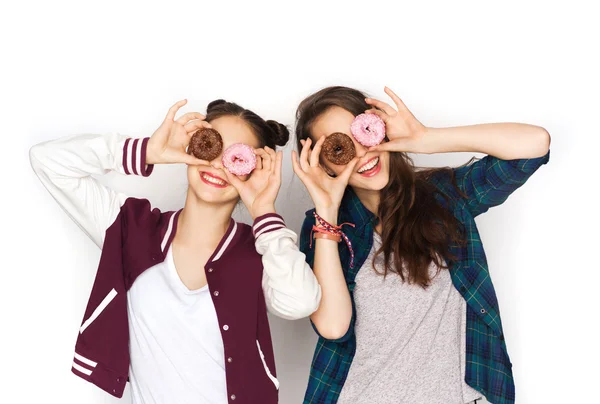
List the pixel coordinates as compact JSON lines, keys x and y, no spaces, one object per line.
{"x":139,"y":213}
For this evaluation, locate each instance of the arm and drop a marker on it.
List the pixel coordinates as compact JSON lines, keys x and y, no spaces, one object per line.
{"x":333,"y":319}
{"x":65,"y":167}
{"x":514,"y":151}
{"x":506,"y":141}
{"x":290,"y":288}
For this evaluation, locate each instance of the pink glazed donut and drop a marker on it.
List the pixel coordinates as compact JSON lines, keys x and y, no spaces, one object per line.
{"x":368,"y":129}
{"x":239,"y":159}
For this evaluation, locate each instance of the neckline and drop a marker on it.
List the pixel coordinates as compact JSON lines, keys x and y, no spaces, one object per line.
{"x":175,"y":275}
{"x":225,"y":242}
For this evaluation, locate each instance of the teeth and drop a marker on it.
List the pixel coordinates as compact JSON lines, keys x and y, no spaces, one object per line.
{"x":213,"y":180}
{"x":368,"y":166}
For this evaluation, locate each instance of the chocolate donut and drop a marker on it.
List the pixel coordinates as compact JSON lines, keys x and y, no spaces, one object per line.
{"x":338,"y":148}
{"x":206,"y":144}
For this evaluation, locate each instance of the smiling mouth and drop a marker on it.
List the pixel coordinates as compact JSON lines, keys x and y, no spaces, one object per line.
{"x":212,"y":180}
{"x":369,"y":166}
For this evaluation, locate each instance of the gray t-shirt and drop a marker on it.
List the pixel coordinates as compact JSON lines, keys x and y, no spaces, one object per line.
{"x":410,"y":340}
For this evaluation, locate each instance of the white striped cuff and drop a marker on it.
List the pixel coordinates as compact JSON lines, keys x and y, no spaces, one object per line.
{"x":134,"y":157}
{"x":267,"y":223}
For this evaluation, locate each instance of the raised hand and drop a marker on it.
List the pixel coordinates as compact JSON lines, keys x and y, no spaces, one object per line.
{"x":169,"y":142}
{"x":260,"y":190}
{"x":404,"y":131}
{"x":326,"y":191}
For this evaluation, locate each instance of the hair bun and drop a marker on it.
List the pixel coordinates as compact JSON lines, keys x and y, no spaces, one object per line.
{"x":213,"y":104}
{"x":281,"y":134}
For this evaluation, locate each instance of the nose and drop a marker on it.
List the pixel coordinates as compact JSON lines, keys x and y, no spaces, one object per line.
{"x":361,"y":151}
{"x":217,"y":161}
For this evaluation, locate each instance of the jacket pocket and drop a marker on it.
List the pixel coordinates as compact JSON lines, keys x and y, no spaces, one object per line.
{"x":269,"y":374}
{"x":109,"y":297}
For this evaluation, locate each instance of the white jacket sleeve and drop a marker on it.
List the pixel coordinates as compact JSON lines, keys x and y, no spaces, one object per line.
{"x":66,"y":165}
{"x":290,"y":287}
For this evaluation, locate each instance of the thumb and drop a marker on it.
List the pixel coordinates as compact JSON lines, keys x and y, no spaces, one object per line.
{"x":345,"y":175}
{"x":233,"y":179}
{"x":393,"y":146}
{"x":192,"y":161}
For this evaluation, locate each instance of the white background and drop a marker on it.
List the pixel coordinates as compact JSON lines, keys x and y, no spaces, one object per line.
{"x":72,"y":67}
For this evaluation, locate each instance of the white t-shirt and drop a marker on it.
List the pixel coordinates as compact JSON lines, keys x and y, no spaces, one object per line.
{"x":174,"y":340}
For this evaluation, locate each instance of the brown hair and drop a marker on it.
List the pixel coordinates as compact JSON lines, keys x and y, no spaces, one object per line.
{"x":270,"y":133}
{"x":416,"y":228}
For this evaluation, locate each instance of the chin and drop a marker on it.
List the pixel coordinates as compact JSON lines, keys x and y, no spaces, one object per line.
{"x":210,"y":194}
{"x":371,"y":184}
{"x":207,"y":194}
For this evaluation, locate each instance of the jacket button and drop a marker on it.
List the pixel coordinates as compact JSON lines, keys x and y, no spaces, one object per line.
{"x":230,"y":359}
{"x":463,"y":289}
{"x":216,"y":293}
{"x":483,"y":311}
{"x":233,"y":396}
{"x":210,"y":269}
{"x":225,"y":327}
{"x":118,"y":380}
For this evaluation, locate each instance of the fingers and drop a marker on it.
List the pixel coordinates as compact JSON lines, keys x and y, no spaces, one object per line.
{"x":396,"y":99}
{"x":193,"y":161}
{"x":173,"y":110}
{"x":396,"y":145}
{"x":185,"y":118}
{"x":314,"y":155}
{"x":384,"y":106}
{"x":379,"y":113}
{"x":266,"y":156}
{"x":304,"y":154}
{"x":345,"y":175}
{"x":278,"y":164}
{"x":192,"y":126}
{"x":296,"y":166}
{"x":233,"y":179}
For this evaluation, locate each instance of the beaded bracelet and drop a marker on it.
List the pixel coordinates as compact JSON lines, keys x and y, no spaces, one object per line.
{"x":328,"y":231}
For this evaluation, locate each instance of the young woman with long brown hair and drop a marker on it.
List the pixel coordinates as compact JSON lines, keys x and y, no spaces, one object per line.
{"x":408,"y":311}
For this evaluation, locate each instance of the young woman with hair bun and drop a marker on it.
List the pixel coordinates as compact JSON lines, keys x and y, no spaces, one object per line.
{"x":179,"y":304}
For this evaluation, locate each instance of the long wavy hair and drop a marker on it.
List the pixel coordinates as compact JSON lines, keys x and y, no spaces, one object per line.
{"x":416,"y":228}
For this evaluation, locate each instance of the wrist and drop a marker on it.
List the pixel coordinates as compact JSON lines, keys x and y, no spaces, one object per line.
{"x":262,"y":210}
{"x":328,"y":214}
{"x":151,"y":155}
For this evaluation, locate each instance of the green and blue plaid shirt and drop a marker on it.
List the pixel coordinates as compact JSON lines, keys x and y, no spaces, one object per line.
{"x":486,"y":183}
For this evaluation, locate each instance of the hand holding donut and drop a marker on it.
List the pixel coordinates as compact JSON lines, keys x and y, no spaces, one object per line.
{"x":325,"y":191}
{"x":404,"y":131}
{"x":169,"y":142}
{"x":260,"y":190}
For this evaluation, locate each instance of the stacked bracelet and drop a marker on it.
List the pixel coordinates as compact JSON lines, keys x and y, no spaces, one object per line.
{"x":327,"y":231}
